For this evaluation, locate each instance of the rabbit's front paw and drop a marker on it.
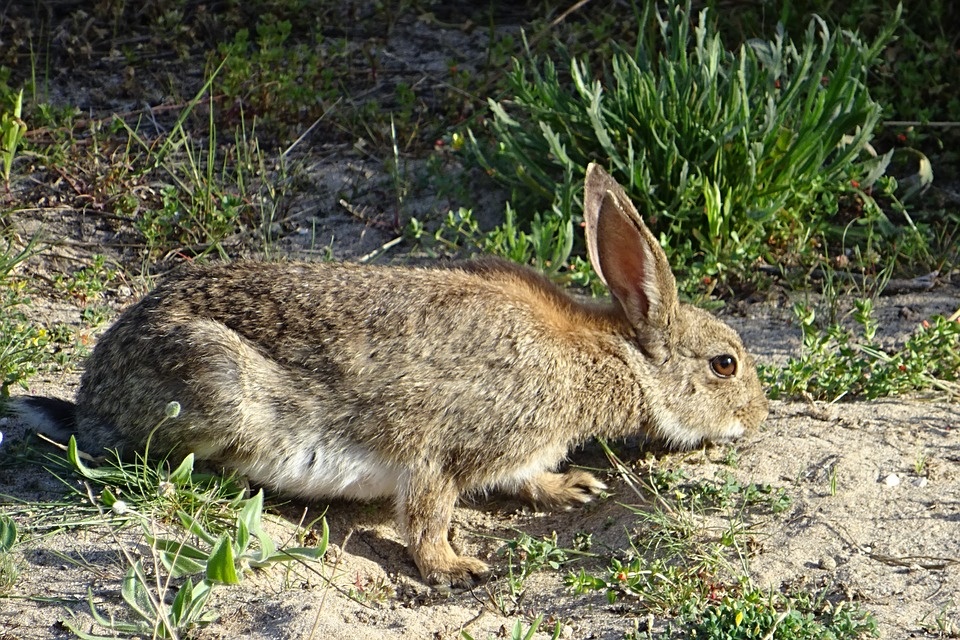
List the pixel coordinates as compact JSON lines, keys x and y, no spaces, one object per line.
{"x":562,"y":490}
{"x":460,"y":571}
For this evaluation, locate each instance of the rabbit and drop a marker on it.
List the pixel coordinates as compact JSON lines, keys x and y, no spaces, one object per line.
{"x":421,"y":384}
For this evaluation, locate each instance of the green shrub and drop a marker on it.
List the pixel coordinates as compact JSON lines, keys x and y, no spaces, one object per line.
{"x":730,"y":156}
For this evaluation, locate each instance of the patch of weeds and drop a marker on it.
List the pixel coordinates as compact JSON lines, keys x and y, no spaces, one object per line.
{"x":755,"y":614}
{"x":839,"y":362}
{"x":205,"y":195}
{"x":658,"y":585}
{"x":736,"y":152}
{"x":680,"y":565}
{"x":194,"y":524}
{"x":142,"y":488}
{"x":188,"y":220}
{"x":283,"y":81}
{"x":88,"y":283}
{"x":944,"y":623}
{"x":724,"y":492}
{"x":23,"y":345}
{"x":525,"y":556}
{"x":547,"y":243}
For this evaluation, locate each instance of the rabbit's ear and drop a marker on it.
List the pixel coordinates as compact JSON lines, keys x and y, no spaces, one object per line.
{"x":625,"y":253}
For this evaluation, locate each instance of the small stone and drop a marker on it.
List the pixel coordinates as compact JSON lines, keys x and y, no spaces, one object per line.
{"x":566,"y":631}
{"x":892,"y":480}
{"x":920,"y":483}
{"x":827,"y":563}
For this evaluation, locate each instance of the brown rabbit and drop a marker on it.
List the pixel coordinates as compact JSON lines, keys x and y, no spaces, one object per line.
{"x":340,"y":380}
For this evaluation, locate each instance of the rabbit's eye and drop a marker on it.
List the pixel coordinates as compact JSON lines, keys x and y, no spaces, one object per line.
{"x":724,"y":366}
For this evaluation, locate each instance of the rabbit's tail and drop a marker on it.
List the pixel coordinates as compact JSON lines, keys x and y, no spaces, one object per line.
{"x":52,"y":417}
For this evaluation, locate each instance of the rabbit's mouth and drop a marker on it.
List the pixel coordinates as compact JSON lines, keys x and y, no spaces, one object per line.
{"x":678,"y":434}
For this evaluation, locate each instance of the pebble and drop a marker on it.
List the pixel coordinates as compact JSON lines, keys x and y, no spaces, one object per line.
{"x":920,"y":483}
{"x":827,"y":563}
{"x":892,"y":480}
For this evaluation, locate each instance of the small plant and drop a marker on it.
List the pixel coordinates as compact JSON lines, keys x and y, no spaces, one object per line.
{"x":12,"y":130}
{"x":920,"y":464}
{"x":9,"y":568}
{"x":518,"y":632}
{"x":223,"y":559}
{"x":838,"y":362}
{"x":87,"y":284}
{"x":534,"y":555}
{"x":152,"y":615}
{"x":525,"y":556}
{"x":834,"y":478}
{"x":369,"y":589}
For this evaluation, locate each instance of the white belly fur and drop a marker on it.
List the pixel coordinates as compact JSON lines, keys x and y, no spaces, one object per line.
{"x":346,"y":471}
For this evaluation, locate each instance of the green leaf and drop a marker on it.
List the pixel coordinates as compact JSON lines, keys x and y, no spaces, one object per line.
{"x":178,"y":557}
{"x":107,"y":497}
{"x":90,"y":474}
{"x":184,"y":473}
{"x":188,"y":605}
{"x":8,"y":533}
{"x":135,"y":594}
{"x":119,"y":627}
{"x":193,"y":525}
{"x":221,"y":565}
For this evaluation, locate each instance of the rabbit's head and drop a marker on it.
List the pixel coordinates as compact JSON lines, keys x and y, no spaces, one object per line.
{"x":699,"y":382}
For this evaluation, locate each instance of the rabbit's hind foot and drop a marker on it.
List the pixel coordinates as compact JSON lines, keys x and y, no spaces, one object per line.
{"x":562,"y":490}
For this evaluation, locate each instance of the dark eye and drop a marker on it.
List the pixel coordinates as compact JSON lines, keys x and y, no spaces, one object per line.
{"x":724,"y":366}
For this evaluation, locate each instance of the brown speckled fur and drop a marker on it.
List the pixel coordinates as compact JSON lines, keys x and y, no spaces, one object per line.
{"x":450,"y":379}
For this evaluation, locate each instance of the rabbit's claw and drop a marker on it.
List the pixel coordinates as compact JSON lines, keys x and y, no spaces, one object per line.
{"x":562,"y":490}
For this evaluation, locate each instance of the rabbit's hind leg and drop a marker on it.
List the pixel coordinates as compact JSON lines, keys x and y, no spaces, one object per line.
{"x":561,"y":490}
{"x":424,"y":506}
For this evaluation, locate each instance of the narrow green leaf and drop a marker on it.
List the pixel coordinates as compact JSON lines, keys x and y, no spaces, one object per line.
{"x":183,"y":474}
{"x":134,"y":592}
{"x":221,"y":565}
{"x":8,"y":533}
